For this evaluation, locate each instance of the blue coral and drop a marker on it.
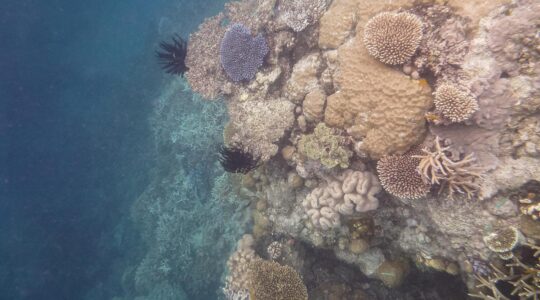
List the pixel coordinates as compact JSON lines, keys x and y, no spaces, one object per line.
{"x":241,"y":53}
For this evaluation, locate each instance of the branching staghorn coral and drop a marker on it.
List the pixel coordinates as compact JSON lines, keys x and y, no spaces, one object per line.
{"x":523,"y":274}
{"x":455,"y":176}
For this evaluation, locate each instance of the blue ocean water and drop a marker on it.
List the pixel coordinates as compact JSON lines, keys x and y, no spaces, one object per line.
{"x":92,"y":136}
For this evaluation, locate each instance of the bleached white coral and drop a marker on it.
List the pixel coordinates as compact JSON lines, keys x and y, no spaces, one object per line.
{"x":236,"y":283}
{"x":259,"y":125}
{"x":352,"y":192}
{"x":298,"y":14}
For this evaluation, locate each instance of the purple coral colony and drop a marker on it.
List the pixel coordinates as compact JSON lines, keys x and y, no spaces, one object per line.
{"x":390,"y":148}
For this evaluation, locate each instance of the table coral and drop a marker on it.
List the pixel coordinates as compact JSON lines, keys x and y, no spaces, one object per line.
{"x":454,"y":103}
{"x":241,"y":54}
{"x":269,"y":280}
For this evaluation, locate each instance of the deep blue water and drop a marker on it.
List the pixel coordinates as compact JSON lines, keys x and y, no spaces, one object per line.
{"x":77,"y":81}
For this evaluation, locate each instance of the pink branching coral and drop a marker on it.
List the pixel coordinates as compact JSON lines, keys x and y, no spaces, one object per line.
{"x":456,"y":176}
{"x":399,"y":177}
{"x":393,"y":38}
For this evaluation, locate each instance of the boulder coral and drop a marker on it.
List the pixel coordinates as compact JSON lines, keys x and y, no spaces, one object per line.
{"x":351,"y":193}
{"x":378,"y":105}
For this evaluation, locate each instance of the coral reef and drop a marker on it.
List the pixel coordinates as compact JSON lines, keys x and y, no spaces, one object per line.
{"x":238,"y":280}
{"x":345,"y":98}
{"x":298,"y":14}
{"x":393,"y":38}
{"x":241,"y":54}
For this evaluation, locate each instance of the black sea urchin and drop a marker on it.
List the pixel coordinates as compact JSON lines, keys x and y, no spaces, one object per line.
{"x":173,"y":59}
{"x":236,"y":160}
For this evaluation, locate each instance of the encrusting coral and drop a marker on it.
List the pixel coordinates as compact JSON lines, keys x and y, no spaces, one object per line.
{"x":258,"y":125}
{"x":237,"y":281}
{"x":205,"y":75}
{"x":456,"y":176}
{"x":241,"y":54}
{"x":350,"y":193}
{"x":298,"y":14}
{"x":325,"y":145}
{"x":393,"y":38}
{"x":399,"y":177}
{"x":269,"y":280}
{"x":454,"y":103}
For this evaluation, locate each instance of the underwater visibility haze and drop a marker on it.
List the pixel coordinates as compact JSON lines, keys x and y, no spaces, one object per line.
{"x":270,"y":150}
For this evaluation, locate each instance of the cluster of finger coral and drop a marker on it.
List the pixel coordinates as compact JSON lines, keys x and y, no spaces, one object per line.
{"x":454,"y":103}
{"x":351,"y":193}
{"x":258,"y":125}
{"x":242,"y":54}
{"x":393,"y":37}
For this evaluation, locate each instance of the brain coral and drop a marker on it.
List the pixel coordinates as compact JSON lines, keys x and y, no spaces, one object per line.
{"x":399,"y":177}
{"x":455,"y":104}
{"x":352,"y":192}
{"x":258,"y":125}
{"x":393,"y":37}
{"x":376,"y":103}
{"x":241,"y":54}
{"x":272,"y":281}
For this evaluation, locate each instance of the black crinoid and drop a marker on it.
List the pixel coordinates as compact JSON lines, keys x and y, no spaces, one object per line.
{"x":235,"y":160}
{"x":173,"y":56}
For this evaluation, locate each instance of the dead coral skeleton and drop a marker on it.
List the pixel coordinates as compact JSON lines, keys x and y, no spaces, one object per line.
{"x":461,"y":176}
